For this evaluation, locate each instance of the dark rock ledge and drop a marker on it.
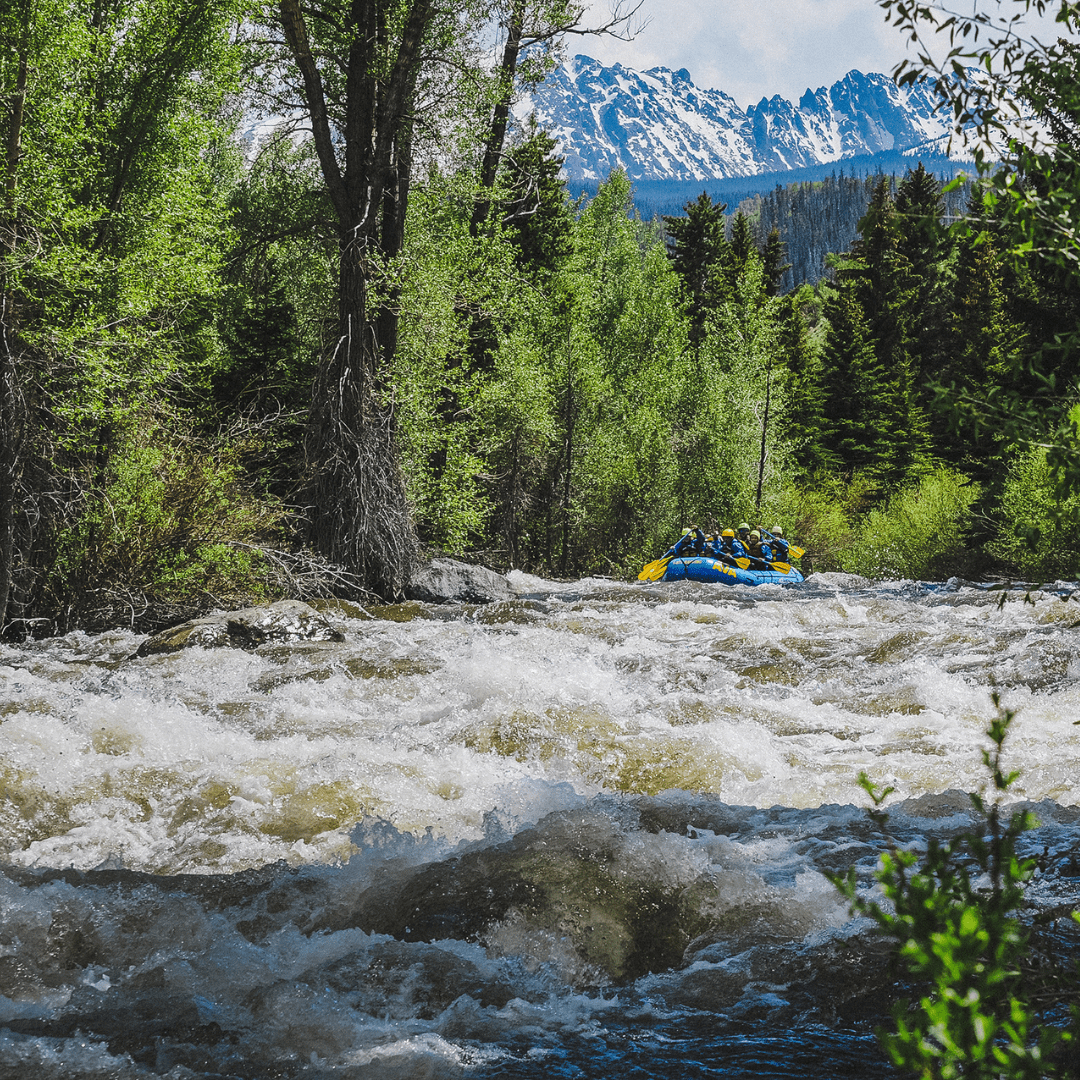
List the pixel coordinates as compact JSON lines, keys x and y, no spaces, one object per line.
{"x":442,"y":581}
{"x":447,"y":581}
{"x":246,"y":628}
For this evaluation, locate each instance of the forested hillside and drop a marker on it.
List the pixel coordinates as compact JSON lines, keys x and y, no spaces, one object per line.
{"x":816,"y":219}
{"x":232,"y":370}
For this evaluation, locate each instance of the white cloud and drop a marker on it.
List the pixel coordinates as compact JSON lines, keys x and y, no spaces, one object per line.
{"x":757,"y":48}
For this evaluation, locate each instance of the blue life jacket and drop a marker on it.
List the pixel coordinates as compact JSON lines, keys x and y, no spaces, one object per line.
{"x":733,"y":546}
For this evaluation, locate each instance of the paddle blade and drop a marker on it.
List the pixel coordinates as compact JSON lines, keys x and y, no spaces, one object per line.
{"x":783,"y":567}
{"x":654,"y":571}
{"x":796,"y":552}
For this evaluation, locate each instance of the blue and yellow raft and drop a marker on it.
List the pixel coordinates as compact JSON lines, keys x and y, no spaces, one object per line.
{"x":705,"y":568}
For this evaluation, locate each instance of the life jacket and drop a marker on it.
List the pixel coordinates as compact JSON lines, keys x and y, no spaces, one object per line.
{"x":733,"y":546}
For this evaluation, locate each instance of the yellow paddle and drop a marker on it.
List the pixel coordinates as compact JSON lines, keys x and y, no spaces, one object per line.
{"x":655,"y":570}
{"x":780,"y":567}
{"x":793,"y":551}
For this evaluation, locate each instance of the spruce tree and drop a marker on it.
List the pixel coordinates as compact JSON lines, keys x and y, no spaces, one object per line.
{"x":855,"y":425}
{"x":700,"y":254}
{"x":806,"y":421}
{"x":536,"y":212}
{"x":773,"y":255}
{"x":922,"y":248}
{"x":742,"y":247}
{"x":883,"y":282}
{"x":982,"y":339}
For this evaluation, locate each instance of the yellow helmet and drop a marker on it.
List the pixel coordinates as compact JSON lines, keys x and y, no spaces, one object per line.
{"x":755,"y":535}
{"x":728,"y":532}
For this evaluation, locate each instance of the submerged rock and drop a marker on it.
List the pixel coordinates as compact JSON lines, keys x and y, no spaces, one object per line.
{"x":246,"y":628}
{"x":447,"y":581}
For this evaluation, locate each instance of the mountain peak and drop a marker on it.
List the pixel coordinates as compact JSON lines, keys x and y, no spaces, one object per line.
{"x":658,"y":125}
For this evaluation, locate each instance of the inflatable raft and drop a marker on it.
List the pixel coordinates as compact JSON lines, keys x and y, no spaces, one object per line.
{"x":704,"y":568}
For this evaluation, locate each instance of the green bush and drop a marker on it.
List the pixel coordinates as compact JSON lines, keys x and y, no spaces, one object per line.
{"x":1040,"y":534}
{"x":820,"y":518}
{"x":170,"y":525}
{"x":920,"y":533}
{"x":952,"y":920}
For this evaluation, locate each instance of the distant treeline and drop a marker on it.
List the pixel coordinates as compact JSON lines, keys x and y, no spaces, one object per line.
{"x":815,"y":218}
{"x":654,"y":198}
{"x":816,"y":210}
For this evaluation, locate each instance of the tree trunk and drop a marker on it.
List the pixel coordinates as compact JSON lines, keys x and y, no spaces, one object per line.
{"x":567,"y":489}
{"x":360,"y":515}
{"x":764,"y":435}
{"x":12,"y":442}
{"x":493,"y":148}
{"x":12,"y":402}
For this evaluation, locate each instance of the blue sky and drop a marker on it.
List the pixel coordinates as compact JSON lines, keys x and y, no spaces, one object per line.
{"x":757,"y":48}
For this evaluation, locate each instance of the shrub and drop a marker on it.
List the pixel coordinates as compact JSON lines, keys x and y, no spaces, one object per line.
{"x":820,"y":518}
{"x":953,"y":923}
{"x":1039,"y":535}
{"x":167,"y":527}
{"x":919,"y":533}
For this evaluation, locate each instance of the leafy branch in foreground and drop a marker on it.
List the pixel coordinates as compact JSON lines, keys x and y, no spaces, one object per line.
{"x":953,"y":920}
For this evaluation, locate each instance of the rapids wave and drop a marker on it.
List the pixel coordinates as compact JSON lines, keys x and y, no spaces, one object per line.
{"x":581,"y":833}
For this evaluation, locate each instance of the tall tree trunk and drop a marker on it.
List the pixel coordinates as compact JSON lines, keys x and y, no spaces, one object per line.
{"x":12,"y":401}
{"x":360,"y":514}
{"x":493,"y":147}
{"x":764,"y":435}
{"x":12,"y":444}
{"x":567,"y":488}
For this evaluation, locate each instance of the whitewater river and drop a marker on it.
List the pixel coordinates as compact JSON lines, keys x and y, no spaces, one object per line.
{"x":580,"y":834}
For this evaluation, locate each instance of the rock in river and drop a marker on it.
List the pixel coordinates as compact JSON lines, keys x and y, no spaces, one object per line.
{"x":246,"y":628}
{"x":447,"y":581}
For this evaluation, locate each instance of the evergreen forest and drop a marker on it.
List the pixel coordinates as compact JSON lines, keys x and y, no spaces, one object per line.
{"x":287,"y":302}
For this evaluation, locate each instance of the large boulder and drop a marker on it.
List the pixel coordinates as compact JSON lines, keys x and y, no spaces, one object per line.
{"x":246,"y":628}
{"x":447,"y":581}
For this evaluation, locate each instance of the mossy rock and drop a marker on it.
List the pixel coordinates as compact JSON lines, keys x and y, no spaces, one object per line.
{"x":246,"y":628}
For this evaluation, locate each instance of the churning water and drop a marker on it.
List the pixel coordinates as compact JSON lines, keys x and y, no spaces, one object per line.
{"x":580,"y":834}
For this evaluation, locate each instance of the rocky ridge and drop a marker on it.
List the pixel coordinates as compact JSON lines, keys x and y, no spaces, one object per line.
{"x":657,"y":125}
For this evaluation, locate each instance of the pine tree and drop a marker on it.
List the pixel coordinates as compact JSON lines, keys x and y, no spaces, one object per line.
{"x":922,"y":247}
{"x":773,"y":255}
{"x":700,"y":255}
{"x":537,"y":213}
{"x":806,"y":421}
{"x":855,"y":432}
{"x":982,"y":338}
{"x":742,"y":247}
{"x":882,"y":281}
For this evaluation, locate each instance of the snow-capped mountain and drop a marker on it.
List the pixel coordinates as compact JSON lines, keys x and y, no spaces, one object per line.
{"x":657,"y":125}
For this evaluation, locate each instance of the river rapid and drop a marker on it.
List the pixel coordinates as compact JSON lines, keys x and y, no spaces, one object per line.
{"x":583,"y":833}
